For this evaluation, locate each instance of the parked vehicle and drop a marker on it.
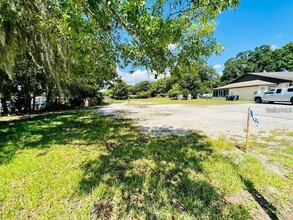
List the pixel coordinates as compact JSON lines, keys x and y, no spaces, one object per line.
{"x":206,"y":96}
{"x":276,"y":95}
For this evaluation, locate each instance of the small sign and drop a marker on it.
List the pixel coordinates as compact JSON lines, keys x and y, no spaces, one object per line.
{"x":254,"y":119}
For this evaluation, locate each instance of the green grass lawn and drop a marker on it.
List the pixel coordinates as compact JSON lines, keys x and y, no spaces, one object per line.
{"x":196,"y":102}
{"x":79,"y":165}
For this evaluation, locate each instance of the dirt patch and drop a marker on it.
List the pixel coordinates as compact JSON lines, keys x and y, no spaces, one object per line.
{"x":228,"y":120}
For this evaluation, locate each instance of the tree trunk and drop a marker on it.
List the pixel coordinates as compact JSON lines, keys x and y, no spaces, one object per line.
{"x":27,"y":103}
{"x":4,"y":106}
{"x":49,"y":97}
{"x":34,"y":103}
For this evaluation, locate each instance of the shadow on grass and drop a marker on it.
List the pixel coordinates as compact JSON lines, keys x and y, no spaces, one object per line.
{"x":135,"y":175}
{"x":77,"y":128}
{"x":269,"y":208}
{"x":155,"y":178}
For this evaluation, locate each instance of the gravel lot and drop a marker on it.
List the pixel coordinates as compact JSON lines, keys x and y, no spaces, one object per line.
{"x":214,"y":121}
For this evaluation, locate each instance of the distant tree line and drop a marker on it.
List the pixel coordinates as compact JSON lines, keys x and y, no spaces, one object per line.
{"x":198,"y":78}
{"x":30,"y":81}
{"x":261,"y":59}
{"x":195,"y":79}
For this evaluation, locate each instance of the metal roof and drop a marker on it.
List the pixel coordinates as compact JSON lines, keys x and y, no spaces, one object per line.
{"x":278,"y":75}
{"x":246,"y":84}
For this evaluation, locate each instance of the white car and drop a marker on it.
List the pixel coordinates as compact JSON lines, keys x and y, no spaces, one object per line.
{"x":206,"y":96}
{"x":276,"y":95}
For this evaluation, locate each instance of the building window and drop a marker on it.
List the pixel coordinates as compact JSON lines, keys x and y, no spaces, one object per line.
{"x":221,"y":93}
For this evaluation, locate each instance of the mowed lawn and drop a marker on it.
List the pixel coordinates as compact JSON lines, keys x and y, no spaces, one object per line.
{"x":79,"y":165}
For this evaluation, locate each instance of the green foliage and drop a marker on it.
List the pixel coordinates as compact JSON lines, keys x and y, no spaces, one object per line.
{"x":144,"y":94}
{"x":262,"y":58}
{"x":73,"y":47}
{"x":282,"y":58}
{"x":140,"y":90}
{"x":108,"y":92}
{"x":142,"y":86}
{"x":76,"y":39}
{"x":120,"y":90}
{"x":76,"y":102}
{"x":162,"y":86}
{"x":71,"y":52}
{"x":197,"y":78}
{"x":175,"y":90}
{"x":185,"y":93}
{"x":131,"y":89}
{"x":188,"y":26}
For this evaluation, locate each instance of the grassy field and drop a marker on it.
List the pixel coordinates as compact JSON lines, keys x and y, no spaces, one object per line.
{"x":79,"y":165}
{"x":196,"y":102}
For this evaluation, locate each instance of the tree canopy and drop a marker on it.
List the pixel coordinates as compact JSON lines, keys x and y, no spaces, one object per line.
{"x":55,"y":31}
{"x":261,"y":59}
{"x":74,"y":46}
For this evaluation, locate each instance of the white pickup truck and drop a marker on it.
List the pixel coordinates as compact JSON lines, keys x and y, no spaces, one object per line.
{"x":276,"y":95}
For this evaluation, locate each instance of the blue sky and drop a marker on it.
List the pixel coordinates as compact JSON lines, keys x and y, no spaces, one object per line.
{"x":252,"y":24}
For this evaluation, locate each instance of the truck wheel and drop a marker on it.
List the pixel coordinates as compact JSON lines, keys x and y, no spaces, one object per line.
{"x":291,"y":100}
{"x":258,"y":100}
{"x":271,"y":102}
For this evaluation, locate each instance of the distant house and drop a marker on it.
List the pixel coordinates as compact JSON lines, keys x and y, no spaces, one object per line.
{"x":250,"y":84}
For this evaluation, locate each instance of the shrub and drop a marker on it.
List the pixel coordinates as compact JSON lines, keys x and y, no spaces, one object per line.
{"x":185,"y":93}
{"x":144,"y":94}
{"x":175,"y":90}
{"x":108,"y":92}
{"x":76,"y":102}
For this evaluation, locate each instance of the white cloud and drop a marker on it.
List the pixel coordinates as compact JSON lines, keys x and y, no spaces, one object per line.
{"x":172,"y":46}
{"x":274,"y":47}
{"x":218,"y":66}
{"x":220,"y":73}
{"x":138,"y":76}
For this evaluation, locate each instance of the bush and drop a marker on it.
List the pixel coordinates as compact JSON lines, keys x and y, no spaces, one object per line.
{"x":144,"y":94}
{"x":120,"y":90}
{"x":175,"y":90}
{"x":143,"y":86}
{"x":108,"y":92}
{"x":185,"y":93}
{"x":76,"y":102}
{"x":99,"y":97}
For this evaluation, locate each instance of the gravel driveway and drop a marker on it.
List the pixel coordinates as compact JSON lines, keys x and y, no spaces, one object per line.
{"x":214,"y":121}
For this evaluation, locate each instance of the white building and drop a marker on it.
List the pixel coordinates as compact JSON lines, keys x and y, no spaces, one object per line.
{"x":250,"y":84}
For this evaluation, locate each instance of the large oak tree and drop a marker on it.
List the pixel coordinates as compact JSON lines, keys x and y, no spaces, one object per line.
{"x":69,"y":40}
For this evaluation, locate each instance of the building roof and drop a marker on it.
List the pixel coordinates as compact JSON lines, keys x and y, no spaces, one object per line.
{"x":277,"y":75}
{"x":246,"y":84}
